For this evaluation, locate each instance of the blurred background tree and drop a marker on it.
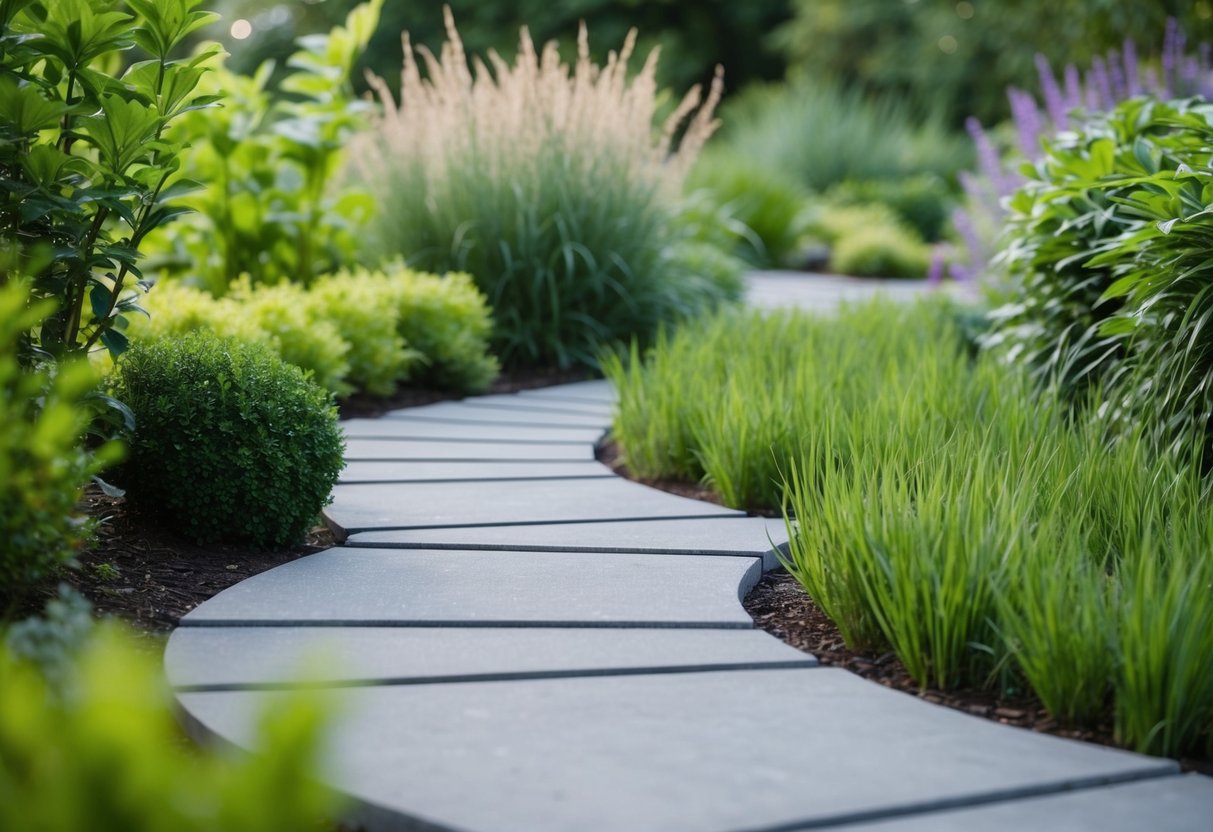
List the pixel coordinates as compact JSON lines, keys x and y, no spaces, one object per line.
{"x":958,"y":58}
{"x":694,"y":36}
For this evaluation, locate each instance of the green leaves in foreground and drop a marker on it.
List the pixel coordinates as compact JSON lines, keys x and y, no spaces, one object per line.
{"x":940,"y":507}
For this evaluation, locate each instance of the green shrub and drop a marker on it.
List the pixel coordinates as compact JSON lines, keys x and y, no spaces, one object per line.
{"x":767,"y":203}
{"x":817,"y":133}
{"x":230,"y":443}
{"x":922,"y":203}
{"x":89,"y":161}
{"x":942,"y":508}
{"x":1106,"y":250}
{"x":548,"y":186}
{"x":43,"y":466}
{"x":830,"y":222}
{"x":880,"y":251}
{"x":100,"y":749}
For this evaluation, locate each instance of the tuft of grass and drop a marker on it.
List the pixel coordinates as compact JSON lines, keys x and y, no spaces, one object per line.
{"x":550,"y":186}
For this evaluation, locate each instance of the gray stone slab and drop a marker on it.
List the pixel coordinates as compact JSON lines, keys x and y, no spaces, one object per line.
{"x":423,"y":587}
{"x":599,"y":391}
{"x":1163,"y":804}
{"x":752,"y":536}
{"x":536,"y":404}
{"x":364,"y":472}
{"x":407,"y":429}
{"x":360,"y":507}
{"x":242,"y":656}
{"x":438,"y":450}
{"x":695,"y":752}
{"x":461,"y":414}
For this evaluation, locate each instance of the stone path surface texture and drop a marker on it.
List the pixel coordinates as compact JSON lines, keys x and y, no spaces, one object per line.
{"x":525,"y":643}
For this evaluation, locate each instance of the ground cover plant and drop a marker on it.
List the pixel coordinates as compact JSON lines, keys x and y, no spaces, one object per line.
{"x":945,"y":510}
{"x":545,"y":182}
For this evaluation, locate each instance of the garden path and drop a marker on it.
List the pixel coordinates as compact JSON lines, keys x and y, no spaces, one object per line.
{"x":526,"y":642}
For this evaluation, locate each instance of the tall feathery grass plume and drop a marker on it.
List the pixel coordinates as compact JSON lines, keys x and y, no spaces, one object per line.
{"x":552,"y":184}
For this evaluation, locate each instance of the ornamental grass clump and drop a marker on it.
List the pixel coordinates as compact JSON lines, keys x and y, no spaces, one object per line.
{"x":941,"y":507}
{"x":548,"y":184}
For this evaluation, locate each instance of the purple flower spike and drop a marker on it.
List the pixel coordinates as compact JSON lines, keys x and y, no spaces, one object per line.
{"x":1172,"y":51}
{"x":1028,"y":122}
{"x":1073,"y":88}
{"x":1131,"y":79}
{"x":1054,"y":104}
{"x":1102,"y":84}
{"x":1116,"y":75}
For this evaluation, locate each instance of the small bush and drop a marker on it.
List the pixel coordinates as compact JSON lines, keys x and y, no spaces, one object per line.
{"x":880,"y":251}
{"x":43,"y":467}
{"x":230,"y":443}
{"x":97,"y":746}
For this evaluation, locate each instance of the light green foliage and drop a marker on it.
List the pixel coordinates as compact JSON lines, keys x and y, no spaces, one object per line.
{"x":271,"y":207}
{"x":940,"y":508}
{"x":230,"y":443}
{"x":880,"y":251}
{"x":352,"y":331}
{"x":100,"y":749}
{"x":295,"y":327}
{"x":549,"y":185}
{"x":88,"y":161}
{"x":364,"y":311}
{"x":43,"y":466}
{"x":816,"y":134}
{"x":446,"y":320}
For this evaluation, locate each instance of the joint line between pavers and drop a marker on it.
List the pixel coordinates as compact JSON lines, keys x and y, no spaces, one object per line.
{"x":473,"y":623}
{"x":366,"y":529}
{"x":571,"y":548}
{"x":401,"y":416}
{"x":478,"y":479}
{"x":807,"y":663}
{"x":467,"y":440}
{"x":950,"y":804}
{"x":468,"y":459}
{"x":537,"y":407}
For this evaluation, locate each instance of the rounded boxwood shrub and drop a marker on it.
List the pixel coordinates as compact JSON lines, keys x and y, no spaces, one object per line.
{"x":230,"y":442}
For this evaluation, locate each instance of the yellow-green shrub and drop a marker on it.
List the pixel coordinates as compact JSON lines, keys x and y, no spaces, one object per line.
{"x":363,"y":308}
{"x":880,"y":251}
{"x":102,"y":752}
{"x":447,"y":320}
{"x":297,"y":330}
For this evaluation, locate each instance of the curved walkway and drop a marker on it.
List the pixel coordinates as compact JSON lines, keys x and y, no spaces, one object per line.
{"x":531,"y":644}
